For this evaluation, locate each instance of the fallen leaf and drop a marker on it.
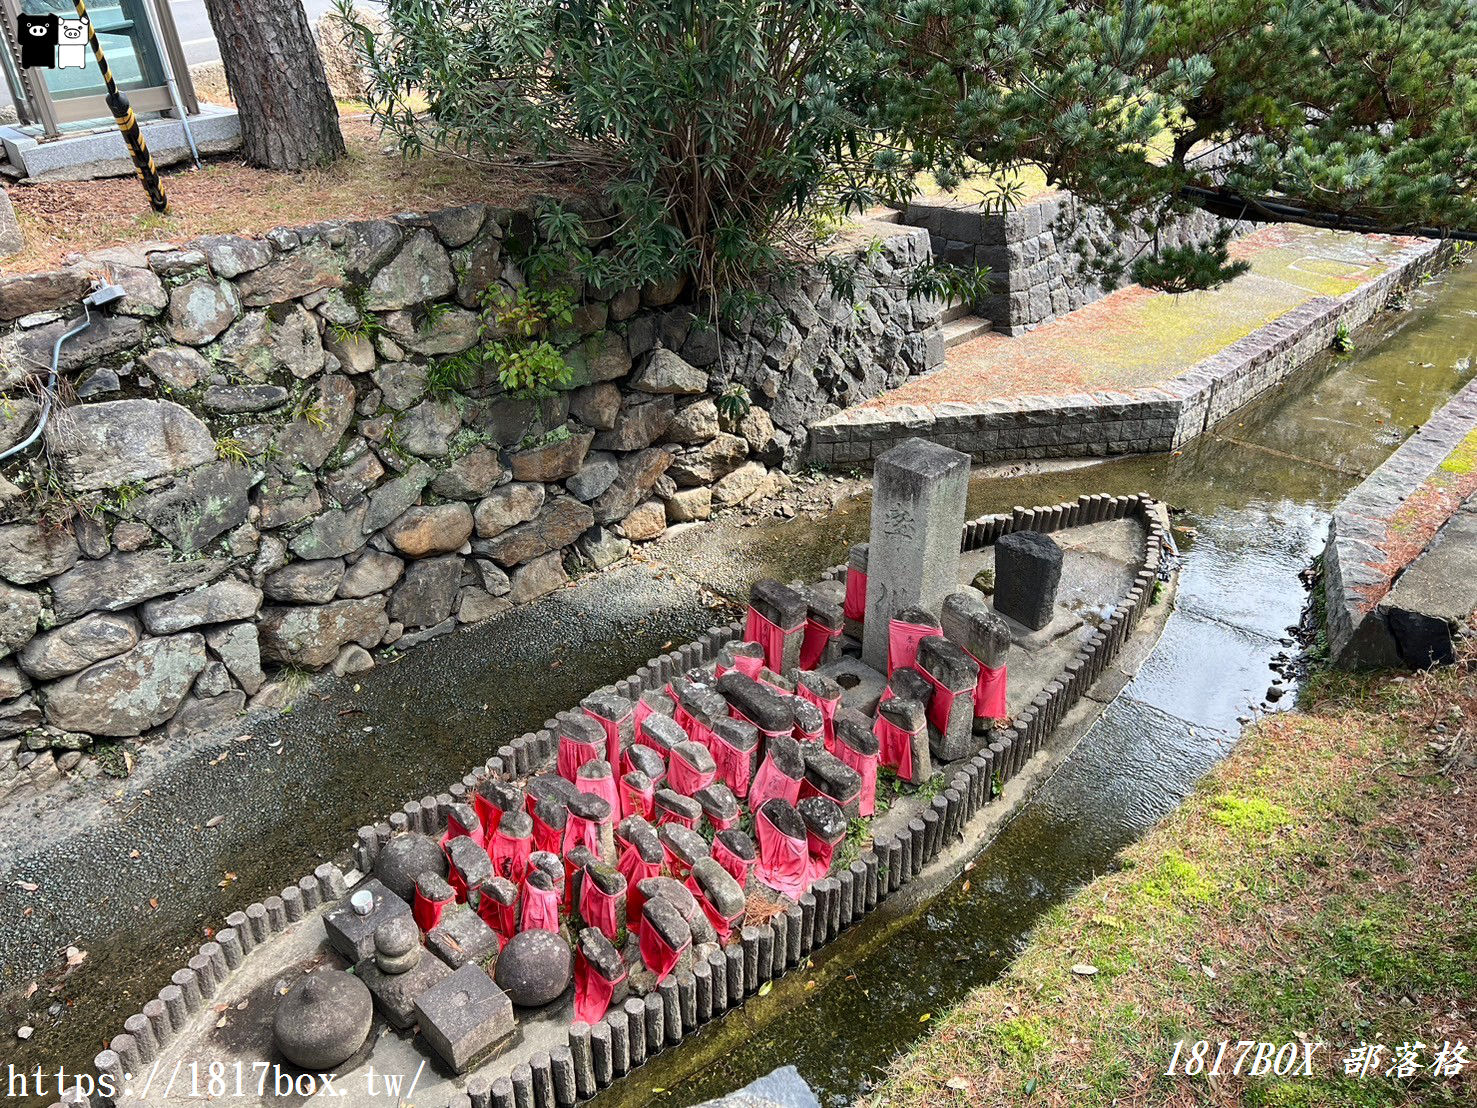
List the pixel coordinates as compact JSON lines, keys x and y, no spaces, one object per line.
{"x":75,"y":957}
{"x":28,"y":886}
{"x":957,"y":1083}
{"x":215,"y":821}
{"x":764,"y":988}
{"x":1082,"y":969}
{"x":31,"y":989}
{"x":809,"y":985}
{"x":925,"y":1017}
{"x":154,"y":903}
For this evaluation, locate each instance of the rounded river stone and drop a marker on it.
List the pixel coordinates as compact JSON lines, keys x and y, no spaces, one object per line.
{"x":404,"y":858}
{"x":534,"y":968}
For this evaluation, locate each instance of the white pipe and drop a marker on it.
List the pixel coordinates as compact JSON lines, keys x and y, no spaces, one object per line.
{"x":152,"y":17}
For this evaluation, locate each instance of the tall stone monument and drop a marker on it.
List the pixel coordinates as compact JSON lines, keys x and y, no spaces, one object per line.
{"x":918,"y":494}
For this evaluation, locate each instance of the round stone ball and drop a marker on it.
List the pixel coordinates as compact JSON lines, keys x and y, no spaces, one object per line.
{"x":323,"y":1020}
{"x":404,"y":858}
{"x":396,"y":937}
{"x":534,"y":968}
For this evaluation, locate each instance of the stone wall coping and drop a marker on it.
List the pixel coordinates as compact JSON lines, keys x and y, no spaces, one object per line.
{"x":1355,"y":576}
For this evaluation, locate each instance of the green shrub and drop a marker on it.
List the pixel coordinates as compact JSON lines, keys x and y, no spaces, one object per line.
{"x":721,"y":129}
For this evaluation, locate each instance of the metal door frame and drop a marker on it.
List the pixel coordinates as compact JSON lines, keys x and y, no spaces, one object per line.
{"x":35,"y":104}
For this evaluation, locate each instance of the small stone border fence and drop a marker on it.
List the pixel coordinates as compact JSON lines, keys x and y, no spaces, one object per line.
{"x":1156,"y":418}
{"x":1390,"y":509}
{"x":595,"y":1057}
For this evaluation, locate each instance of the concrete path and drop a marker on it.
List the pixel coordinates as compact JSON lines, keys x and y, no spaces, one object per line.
{"x":1135,"y":337}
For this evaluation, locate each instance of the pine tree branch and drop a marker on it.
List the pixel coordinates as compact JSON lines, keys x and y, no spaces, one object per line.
{"x":1230,"y":204}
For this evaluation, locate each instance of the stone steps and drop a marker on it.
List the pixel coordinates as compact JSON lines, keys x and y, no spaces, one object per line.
{"x":962,"y":328}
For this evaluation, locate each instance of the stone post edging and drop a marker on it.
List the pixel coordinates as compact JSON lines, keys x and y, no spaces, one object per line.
{"x":592,"y":1058}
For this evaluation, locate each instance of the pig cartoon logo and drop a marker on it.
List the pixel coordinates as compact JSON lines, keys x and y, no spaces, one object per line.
{"x":38,"y":36}
{"x":72,"y":46}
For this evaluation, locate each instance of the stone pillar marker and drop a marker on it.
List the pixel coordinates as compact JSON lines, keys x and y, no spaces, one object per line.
{"x":918,"y":495}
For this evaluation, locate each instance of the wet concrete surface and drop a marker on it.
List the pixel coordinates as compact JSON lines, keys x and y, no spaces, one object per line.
{"x":133,"y":876}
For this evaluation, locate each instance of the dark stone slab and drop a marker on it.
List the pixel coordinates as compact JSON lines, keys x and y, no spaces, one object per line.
{"x":719,"y":888}
{"x":470,"y":861}
{"x":832,"y":776}
{"x":739,"y":842}
{"x":395,"y":994}
{"x":823,"y":818}
{"x":662,"y":733}
{"x":646,"y":761}
{"x":785,"y":608}
{"x":766,"y":708}
{"x":687,"y":845}
{"x":969,"y":621}
{"x":684,"y":806}
{"x":462,"y":938}
{"x":855,"y":731}
{"x":720,"y":806}
{"x":1028,"y":569}
{"x":643,"y":839}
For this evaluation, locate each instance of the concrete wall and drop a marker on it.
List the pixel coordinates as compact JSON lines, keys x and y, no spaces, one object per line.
{"x":1410,"y":494}
{"x":256,"y":471}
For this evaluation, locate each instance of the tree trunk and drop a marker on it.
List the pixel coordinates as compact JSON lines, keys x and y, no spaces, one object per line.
{"x":289,"y":120}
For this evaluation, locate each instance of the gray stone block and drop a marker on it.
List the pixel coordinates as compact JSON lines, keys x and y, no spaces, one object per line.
{"x":462,"y":938}
{"x":396,"y":994}
{"x":1028,"y":569}
{"x":351,"y":934}
{"x":913,"y":554}
{"x":466,"y":1018}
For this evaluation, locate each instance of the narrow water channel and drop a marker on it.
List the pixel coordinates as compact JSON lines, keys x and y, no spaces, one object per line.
{"x":1256,"y":496}
{"x":134,"y":876}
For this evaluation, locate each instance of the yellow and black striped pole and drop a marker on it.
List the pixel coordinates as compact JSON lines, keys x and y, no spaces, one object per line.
{"x":127,"y":122}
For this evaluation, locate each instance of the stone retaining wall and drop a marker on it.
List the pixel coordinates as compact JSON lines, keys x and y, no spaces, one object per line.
{"x":260,"y":469}
{"x":1102,"y":424}
{"x":1398,"y":505}
{"x":1035,"y":274}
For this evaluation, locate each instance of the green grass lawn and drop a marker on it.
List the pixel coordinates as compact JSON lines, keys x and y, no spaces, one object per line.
{"x":1318,"y":886}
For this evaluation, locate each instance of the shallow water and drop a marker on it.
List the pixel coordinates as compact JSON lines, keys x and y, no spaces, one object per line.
{"x":137,"y":882}
{"x":1252,"y":521}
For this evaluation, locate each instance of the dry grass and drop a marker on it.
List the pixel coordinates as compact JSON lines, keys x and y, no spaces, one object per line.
{"x":1319,"y":883}
{"x":227,"y":196}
